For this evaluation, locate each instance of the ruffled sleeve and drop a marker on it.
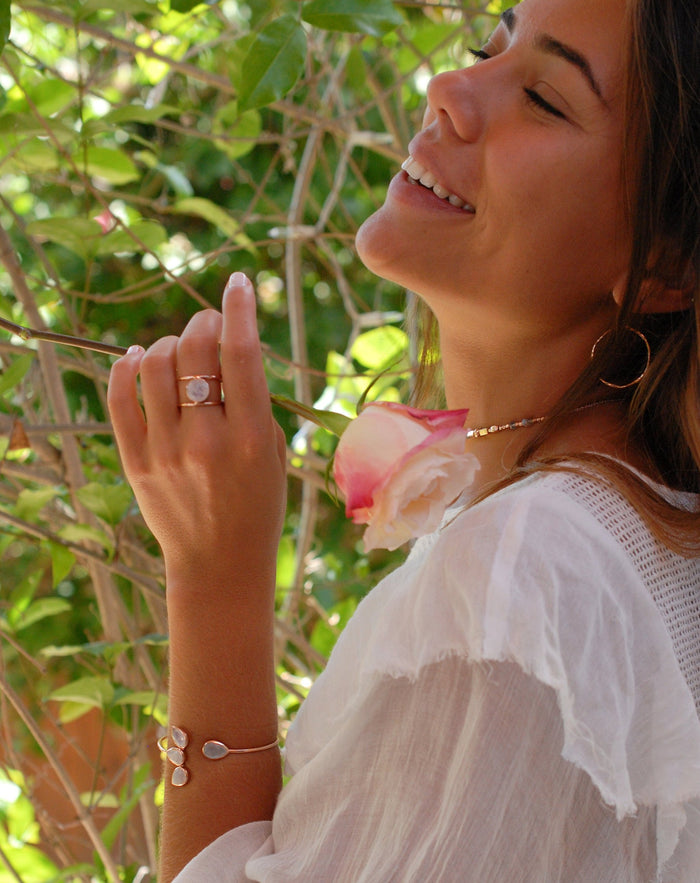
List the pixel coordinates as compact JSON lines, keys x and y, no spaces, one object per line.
{"x":530,"y":576}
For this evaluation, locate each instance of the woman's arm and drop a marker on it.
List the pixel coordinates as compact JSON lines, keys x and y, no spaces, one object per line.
{"x":210,"y":482}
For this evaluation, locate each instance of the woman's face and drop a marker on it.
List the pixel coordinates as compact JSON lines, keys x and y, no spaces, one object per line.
{"x":529,"y":138}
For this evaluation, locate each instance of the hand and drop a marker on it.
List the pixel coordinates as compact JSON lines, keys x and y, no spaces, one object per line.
{"x":210,"y":481}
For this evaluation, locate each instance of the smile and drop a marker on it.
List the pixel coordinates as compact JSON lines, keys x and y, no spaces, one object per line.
{"x":420,"y":175}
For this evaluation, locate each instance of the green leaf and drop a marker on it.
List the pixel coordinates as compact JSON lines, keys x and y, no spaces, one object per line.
{"x":236,"y":132}
{"x":94,"y":692}
{"x":380,"y":347}
{"x":139,"y":237}
{"x":137,"y":113}
{"x":329,"y":420}
{"x":34,"y":156}
{"x":152,"y":703}
{"x":111,"y":165}
{"x":31,"y":502}
{"x":209,"y":211}
{"x":22,"y":596}
{"x":184,"y":5}
{"x":45,"y":98}
{"x":141,"y":783}
{"x":176,"y":178}
{"x":79,"y":533}
{"x":273,"y":64}
{"x":43,"y":608}
{"x":103,"y":800}
{"x":14,"y":373}
{"x":62,"y":561}
{"x":5,"y":21}
{"x":109,"y":501}
{"x":134,"y":7}
{"x":375,"y":17}
{"x":79,"y":235}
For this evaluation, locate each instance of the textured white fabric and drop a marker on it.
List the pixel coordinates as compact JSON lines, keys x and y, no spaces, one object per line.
{"x":512,"y":705}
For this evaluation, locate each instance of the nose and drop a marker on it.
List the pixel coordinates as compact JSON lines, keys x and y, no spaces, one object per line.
{"x":454,"y":101}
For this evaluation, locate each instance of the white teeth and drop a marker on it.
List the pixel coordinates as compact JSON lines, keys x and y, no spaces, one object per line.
{"x":419,"y":174}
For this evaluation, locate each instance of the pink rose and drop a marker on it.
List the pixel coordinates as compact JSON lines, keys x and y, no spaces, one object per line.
{"x":399,"y":468}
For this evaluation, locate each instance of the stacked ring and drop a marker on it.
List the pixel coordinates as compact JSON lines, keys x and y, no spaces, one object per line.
{"x":200,"y":390}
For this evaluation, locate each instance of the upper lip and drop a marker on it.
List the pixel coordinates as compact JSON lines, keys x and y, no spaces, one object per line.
{"x":420,"y":171}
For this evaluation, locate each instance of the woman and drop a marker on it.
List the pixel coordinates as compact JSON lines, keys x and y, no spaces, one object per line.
{"x":518,"y":702}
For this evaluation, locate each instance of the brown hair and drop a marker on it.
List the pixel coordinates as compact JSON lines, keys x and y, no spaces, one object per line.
{"x":662,"y":171}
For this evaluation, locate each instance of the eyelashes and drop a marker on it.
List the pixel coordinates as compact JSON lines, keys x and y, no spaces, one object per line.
{"x":532,"y":95}
{"x":479,"y":54}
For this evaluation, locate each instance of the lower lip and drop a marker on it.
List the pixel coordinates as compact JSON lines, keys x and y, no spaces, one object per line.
{"x":405,"y":190}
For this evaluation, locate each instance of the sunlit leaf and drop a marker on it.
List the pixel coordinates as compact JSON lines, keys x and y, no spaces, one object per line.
{"x":273,"y":64}
{"x":209,"y":211}
{"x":155,"y":704}
{"x":375,"y":17}
{"x":40,"y":609}
{"x":109,"y":501}
{"x":94,"y":692}
{"x":30,"y":502}
{"x":13,"y":374}
{"x":102,"y":799}
{"x":330,"y":420}
{"x":378,"y":348}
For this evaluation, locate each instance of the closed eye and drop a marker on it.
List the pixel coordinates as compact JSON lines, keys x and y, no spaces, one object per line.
{"x":536,"y":99}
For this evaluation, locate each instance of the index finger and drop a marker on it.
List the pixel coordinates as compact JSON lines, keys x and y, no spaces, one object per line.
{"x":247,"y":397}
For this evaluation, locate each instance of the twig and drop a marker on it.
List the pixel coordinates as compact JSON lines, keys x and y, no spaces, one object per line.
{"x":83,"y":343}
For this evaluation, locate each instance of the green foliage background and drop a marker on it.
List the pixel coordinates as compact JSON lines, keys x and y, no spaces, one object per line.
{"x":206,"y":138}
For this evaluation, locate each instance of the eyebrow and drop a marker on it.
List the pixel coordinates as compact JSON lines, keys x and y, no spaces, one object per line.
{"x":551,"y":46}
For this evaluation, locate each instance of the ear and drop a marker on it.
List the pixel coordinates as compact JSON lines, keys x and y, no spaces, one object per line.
{"x":656,"y":295}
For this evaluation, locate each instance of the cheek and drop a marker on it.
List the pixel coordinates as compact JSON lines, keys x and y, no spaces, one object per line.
{"x":570,"y":206}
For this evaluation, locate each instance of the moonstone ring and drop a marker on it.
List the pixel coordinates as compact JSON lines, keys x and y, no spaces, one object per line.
{"x":200,"y":390}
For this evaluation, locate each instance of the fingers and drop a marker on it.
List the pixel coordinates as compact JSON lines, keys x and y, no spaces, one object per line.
{"x":247,"y":394}
{"x":122,"y":400}
{"x":198,"y":357}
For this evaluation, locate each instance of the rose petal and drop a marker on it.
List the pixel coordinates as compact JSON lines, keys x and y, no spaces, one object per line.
{"x":399,"y":468}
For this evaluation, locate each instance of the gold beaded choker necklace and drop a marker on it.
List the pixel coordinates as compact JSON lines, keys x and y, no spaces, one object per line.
{"x":527,"y":421}
{"x":502,"y":427}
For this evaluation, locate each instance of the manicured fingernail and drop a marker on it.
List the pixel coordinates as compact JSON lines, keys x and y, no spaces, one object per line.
{"x":238,"y":279}
{"x":133,"y":350}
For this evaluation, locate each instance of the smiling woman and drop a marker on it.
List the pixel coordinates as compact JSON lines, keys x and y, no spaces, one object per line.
{"x":519,"y":701}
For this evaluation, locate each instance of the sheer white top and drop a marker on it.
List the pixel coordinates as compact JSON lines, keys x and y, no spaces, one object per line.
{"x":517,"y":703}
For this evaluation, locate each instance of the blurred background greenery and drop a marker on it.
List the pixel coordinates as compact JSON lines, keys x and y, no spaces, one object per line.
{"x":149,"y":148}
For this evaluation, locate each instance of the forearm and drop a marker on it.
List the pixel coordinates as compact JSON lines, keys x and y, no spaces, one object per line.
{"x":222,"y":687}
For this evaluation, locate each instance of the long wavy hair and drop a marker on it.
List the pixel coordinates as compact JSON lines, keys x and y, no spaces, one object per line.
{"x":661,"y":170}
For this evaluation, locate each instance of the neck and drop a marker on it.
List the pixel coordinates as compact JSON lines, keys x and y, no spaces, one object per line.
{"x":505,"y":380}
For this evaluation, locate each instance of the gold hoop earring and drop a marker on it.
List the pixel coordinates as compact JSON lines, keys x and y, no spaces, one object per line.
{"x":635,"y":380}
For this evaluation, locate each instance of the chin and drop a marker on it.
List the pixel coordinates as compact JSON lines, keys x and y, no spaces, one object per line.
{"x":379,"y":249}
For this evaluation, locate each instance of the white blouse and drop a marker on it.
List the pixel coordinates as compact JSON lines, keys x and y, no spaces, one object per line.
{"x":517,"y":703}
